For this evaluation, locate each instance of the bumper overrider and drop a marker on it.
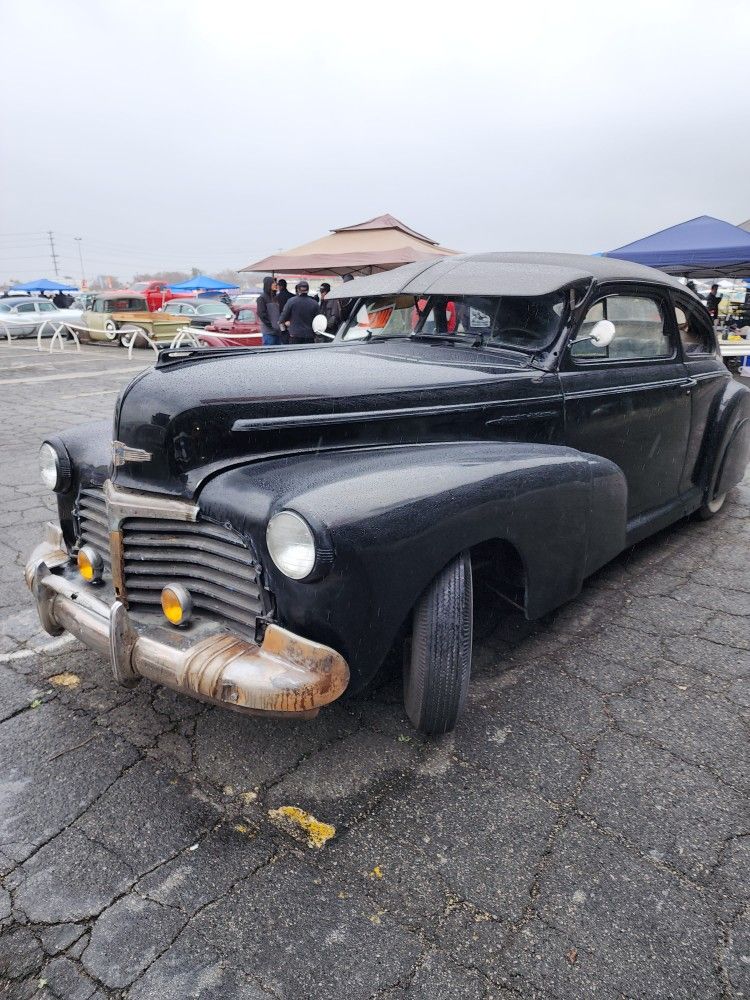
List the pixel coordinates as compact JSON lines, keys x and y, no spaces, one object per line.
{"x":283,"y":675}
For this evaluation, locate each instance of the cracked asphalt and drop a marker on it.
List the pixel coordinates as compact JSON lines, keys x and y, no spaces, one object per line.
{"x":583,"y":833}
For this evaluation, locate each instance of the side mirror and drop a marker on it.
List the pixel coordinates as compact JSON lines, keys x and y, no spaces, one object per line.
{"x":602,"y":333}
{"x":320,"y":324}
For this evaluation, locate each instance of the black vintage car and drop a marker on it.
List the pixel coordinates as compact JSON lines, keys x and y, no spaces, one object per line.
{"x":269,"y":524}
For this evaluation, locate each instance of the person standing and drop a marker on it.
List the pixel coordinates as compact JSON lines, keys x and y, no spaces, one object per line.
{"x":330,"y":308}
{"x":283,"y":295}
{"x":269,"y":312}
{"x":712,"y":302}
{"x":298,"y":314}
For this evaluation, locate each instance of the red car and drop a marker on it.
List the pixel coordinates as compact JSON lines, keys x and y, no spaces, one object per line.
{"x":243,"y":330}
{"x":157,"y":293}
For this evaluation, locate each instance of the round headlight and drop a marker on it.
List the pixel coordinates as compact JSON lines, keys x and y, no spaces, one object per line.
{"x":55,"y":466}
{"x":291,"y":544}
{"x":49,"y":466}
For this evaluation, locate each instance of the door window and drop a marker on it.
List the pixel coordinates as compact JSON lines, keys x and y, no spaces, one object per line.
{"x":25,"y":307}
{"x":46,"y":307}
{"x":641,"y":332}
{"x":696,"y":332}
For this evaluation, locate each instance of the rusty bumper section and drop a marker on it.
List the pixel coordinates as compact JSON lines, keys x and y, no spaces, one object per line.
{"x":286,"y":675}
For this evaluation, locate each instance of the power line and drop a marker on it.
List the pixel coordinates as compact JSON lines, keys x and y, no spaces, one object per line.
{"x":52,"y":252}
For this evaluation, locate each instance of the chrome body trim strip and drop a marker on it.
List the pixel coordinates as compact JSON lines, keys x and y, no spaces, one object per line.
{"x":321,"y":419}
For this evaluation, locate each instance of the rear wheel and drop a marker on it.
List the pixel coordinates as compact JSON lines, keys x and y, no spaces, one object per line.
{"x":712,"y":507}
{"x":437,"y":668}
{"x":125,"y":335}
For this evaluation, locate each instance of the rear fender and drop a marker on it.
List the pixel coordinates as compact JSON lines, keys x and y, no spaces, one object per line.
{"x":729,"y":447}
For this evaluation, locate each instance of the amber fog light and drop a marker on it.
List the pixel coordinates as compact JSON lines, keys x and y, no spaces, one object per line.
{"x":177,"y":604}
{"x":90,"y":564}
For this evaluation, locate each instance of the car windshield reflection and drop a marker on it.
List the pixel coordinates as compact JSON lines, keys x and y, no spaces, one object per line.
{"x":519,"y":323}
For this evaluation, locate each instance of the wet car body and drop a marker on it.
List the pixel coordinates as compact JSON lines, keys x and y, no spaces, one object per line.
{"x":527,"y":453}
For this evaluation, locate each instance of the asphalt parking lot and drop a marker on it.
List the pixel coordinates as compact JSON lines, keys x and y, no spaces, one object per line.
{"x":583,"y":833}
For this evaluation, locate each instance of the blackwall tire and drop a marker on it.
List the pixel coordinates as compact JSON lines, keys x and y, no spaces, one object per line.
{"x":437,"y":670}
{"x":712,"y":507}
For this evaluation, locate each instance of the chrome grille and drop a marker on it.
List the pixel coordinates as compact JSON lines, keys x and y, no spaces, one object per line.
{"x":211,"y":561}
{"x":92,"y":521}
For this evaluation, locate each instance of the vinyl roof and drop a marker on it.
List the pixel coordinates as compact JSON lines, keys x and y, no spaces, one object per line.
{"x":498,"y":274}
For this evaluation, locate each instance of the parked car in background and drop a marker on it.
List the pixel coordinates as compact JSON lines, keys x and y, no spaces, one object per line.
{"x":241,"y":329}
{"x":199,"y":312}
{"x":83,"y":300}
{"x":245,"y":299}
{"x":25,"y":315}
{"x":115,"y":316}
{"x":269,"y":526}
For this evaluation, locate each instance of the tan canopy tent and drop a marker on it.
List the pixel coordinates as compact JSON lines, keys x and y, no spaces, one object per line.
{"x":366,"y":248}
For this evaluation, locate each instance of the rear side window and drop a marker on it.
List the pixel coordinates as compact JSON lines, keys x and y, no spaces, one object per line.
{"x":696,"y":331}
{"x":641,"y":332}
{"x":25,"y":307}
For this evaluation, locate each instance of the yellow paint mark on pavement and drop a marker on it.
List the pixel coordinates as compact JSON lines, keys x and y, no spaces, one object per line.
{"x":65,"y":679}
{"x":302,"y":826}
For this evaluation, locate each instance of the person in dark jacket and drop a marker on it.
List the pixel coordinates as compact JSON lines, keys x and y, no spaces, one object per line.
{"x":330,"y":308}
{"x":283,"y":295}
{"x":298,"y":314}
{"x":268,"y":310}
{"x":712,"y":302}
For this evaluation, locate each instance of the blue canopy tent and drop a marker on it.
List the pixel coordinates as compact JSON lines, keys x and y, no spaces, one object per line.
{"x":202,"y":283}
{"x":700,"y":248}
{"x":44,"y":285}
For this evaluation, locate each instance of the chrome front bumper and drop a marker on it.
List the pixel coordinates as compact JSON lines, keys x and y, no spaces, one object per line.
{"x":284,"y":675}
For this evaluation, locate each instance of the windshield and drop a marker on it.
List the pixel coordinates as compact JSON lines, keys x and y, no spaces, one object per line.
{"x":522,"y":323}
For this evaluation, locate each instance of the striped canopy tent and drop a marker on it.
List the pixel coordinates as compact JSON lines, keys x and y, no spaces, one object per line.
{"x":378,"y":244}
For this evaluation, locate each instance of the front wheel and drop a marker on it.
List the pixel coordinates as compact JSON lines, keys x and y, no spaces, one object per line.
{"x":437,"y":668}
{"x":712,"y":507}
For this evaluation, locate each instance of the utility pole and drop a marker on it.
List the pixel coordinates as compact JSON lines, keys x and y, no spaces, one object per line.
{"x":78,"y":240}
{"x":52,"y":252}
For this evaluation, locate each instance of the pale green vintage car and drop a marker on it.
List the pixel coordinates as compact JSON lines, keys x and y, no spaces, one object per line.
{"x":116,"y":316}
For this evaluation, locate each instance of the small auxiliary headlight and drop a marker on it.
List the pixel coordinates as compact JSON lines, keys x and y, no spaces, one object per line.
{"x":291,"y":544}
{"x":177,"y":604}
{"x":90,"y":564}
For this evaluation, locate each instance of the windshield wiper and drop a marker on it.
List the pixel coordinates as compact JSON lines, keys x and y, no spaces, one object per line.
{"x":465,"y":339}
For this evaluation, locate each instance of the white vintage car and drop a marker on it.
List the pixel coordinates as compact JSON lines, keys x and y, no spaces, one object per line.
{"x":25,"y":315}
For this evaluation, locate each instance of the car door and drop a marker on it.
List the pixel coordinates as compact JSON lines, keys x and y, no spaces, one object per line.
{"x":24,"y":319}
{"x":630,"y":402}
{"x":49,"y":317}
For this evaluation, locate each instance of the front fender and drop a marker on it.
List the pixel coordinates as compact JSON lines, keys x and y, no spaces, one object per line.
{"x":397,"y":515}
{"x":90,"y":449}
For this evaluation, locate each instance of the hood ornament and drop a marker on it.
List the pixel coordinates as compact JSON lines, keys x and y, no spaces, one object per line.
{"x":122,"y":453}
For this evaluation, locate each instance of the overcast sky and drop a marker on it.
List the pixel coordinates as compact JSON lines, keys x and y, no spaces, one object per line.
{"x":171,"y":134}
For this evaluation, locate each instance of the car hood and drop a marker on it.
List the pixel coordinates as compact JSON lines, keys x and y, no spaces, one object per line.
{"x":198,"y":415}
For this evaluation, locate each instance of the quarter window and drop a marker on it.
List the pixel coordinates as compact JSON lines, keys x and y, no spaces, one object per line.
{"x":640,"y":330}
{"x":695,"y":331}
